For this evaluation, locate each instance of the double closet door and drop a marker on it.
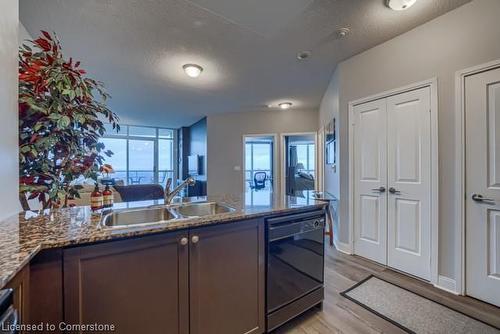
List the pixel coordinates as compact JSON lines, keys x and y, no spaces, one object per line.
{"x":392,"y":181}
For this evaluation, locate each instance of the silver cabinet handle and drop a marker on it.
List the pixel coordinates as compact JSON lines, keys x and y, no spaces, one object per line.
{"x":195,"y":239}
{"x":184,"y":241}
{"x":379,"y":189}
{"x":393,"y":190}
{"x":481,"y":199}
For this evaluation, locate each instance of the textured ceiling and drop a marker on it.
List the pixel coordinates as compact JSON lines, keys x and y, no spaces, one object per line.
{"x":137,"y":48}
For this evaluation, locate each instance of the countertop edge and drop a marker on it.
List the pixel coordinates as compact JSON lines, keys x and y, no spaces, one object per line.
{"x":126,"y":233}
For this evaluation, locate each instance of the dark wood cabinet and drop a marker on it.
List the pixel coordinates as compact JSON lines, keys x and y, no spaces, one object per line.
{"x":227,"y":277}
{"x":208,"y":280}
{"x":46,"y":288}
{"x":138,"y":285}
{"x":20,"y":285}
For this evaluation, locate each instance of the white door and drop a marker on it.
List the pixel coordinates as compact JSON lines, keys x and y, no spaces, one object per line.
{"x":370,"y":180}
{"x":482,"y":109}
{"x":409,"y":182}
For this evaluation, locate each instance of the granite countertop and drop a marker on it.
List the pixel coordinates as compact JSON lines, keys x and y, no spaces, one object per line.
{"x":23,"y":236}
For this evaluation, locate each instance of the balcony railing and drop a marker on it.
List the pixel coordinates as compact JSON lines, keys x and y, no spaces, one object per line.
{"x":142,"y":176}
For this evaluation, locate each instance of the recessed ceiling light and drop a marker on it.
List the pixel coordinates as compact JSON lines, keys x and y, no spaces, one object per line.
{"x":303,"y":55}
{"x":400,"y":4}
{"x":193,"y":70}
{"x":285,"y":105}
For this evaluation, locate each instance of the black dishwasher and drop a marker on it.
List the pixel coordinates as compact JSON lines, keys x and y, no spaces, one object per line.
{"x":8,"y":314}
{"x":295,"y":265}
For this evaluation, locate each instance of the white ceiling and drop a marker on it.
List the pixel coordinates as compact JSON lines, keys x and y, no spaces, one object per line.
{"x":247,"y":47}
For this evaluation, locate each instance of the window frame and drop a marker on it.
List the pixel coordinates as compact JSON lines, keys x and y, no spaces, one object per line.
{"x":125,"y":135}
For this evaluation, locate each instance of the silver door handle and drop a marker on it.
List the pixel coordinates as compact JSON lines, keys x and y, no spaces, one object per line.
{"x":393,"y":190}
{"x":195,"y":239}
{"x":479,"y":198}
{"x":379,"y":189}
{"x":183,"y":241}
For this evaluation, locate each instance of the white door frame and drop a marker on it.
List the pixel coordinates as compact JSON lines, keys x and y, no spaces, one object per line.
{"x":432,"y":83}
{"x":320,"y":159}
{"x":460,"y":193}
{"x":275,"y":157}
{"x":283,"y":158}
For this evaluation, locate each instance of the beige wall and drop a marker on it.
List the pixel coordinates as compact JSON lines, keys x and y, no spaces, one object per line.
{"x":8,"y":108}
{"x":462,"y":38}
{"x":225,"y":141}
{"x":329,"y":109}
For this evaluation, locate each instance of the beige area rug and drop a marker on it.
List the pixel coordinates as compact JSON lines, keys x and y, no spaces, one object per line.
{"x":411,"y":312}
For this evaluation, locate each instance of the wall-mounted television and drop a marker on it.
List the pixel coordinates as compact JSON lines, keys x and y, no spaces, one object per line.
{"x":194,"y":165}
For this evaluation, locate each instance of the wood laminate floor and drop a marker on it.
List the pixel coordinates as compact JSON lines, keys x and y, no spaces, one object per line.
{"x":340,"y":315}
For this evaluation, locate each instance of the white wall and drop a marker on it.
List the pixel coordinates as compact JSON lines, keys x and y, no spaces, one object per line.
{"x":329,"y":109}
{"x":8,"y":108}
{"x":462,"y":38}
{"x":225,"y":141}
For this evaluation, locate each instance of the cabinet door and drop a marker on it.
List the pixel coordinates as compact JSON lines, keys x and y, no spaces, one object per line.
{"x":227,"y":278}
{"x":138,"y":285}
{"x":46,"y":288}
{"x":20,"y":285}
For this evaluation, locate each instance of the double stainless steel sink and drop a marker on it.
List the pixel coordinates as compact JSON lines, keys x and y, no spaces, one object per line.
{"x":162,"y":214}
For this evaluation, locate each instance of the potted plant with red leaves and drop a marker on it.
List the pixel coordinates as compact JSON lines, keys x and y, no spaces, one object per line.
{"x":61,"y":118}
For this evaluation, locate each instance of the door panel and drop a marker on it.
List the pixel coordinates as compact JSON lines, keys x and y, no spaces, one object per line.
{"x":494,"y":244}
{"x":409,"y":175}
{"x":370,"y":173}
{"x":227,"y":279}
{"x":408,"y":235}
{"x":369,"y":208}
{"x":139,"y":285}
{"x":493,"y":125}
{"x":482,"y":112}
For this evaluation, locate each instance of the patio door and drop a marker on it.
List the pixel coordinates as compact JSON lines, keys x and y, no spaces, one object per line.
{"x":259,"y":169}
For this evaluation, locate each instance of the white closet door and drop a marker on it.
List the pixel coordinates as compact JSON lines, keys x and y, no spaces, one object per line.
{"x":482,"y":110}
{"x":409,"y":182}
{"x":370,"y":206}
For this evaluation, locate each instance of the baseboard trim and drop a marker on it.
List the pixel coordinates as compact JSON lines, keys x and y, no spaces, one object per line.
{"x":342,"y":247}
{"x":447,"y":284}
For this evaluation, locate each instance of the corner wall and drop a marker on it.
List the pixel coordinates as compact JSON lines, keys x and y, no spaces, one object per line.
{"x":225,"y":142}
{"x":193,"y":140}
{"x":9,"y":25}
{"x":462,"y":38}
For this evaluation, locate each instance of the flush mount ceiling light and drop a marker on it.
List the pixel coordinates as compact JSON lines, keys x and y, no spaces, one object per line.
{"x":303,"y":55}
{"x":400,"y":4}
{"x":285,"y":105}
{"x":192,"y":70}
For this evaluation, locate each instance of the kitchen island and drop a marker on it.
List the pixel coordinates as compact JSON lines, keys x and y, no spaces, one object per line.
{"x":190,"y":275}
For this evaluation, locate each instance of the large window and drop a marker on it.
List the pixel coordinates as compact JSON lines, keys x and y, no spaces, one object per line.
{"x":141,"y":154}
{"x":305,"y":157}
